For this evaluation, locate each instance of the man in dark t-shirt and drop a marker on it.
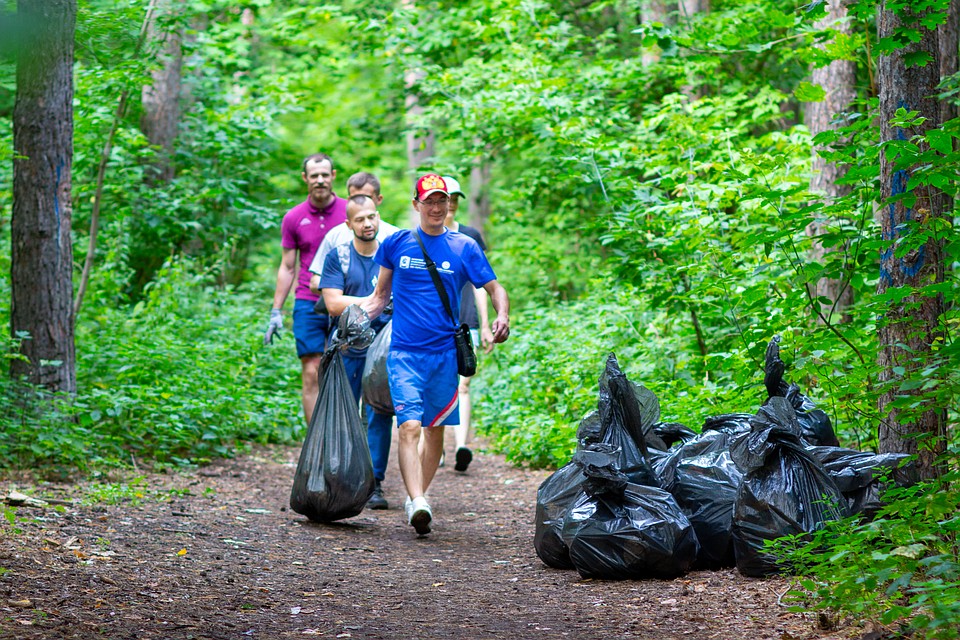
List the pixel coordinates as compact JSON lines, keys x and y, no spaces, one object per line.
{"x":473,"y":312}
{"x":349,"y":274}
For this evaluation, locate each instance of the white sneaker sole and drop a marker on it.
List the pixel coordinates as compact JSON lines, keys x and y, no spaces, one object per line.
{"x":420,"y":520}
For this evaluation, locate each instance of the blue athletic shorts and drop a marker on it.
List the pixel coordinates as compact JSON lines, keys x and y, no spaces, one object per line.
{"x":424,"y":386}
{"x":309,"y":328}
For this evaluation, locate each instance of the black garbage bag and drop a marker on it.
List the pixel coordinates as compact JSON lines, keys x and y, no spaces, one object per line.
{"x":620,"y":421}
{"x":785,"y":491}
{"x":639,"y":533}
{"x":814,"y":423}
{"x":376,"y":386}
{"x":719,"y":433}
{"x":334,"y":476}
{"x":706,"y":489}
{"x":700,"y":474}
{"x":619,"y":530}
{"x":354,"y":330}
{"x":862,"y":476}
{"x":728,"y":422}
{"x":673,"y":433}
{"x":554,"y":497}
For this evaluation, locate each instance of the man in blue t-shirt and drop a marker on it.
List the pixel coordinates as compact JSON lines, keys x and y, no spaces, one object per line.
{"x":422,"y":362}
{"x":349,"y":273}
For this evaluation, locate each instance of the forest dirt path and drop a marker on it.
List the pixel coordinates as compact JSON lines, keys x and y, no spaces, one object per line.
{"x":217,"y":554}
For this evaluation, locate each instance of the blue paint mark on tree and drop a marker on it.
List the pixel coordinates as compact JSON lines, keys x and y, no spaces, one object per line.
{"x":898,"y":186}
{"x":56,"y":208}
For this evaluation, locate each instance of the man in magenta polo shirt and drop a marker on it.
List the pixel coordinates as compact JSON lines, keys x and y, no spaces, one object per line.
{"x":303,"y":229}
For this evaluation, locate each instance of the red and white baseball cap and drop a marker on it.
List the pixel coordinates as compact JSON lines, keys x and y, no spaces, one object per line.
{"x":430,"y":183}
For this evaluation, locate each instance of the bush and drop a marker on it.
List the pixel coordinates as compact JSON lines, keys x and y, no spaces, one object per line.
{"x":900,"y":569}
{"x":181,"y":377}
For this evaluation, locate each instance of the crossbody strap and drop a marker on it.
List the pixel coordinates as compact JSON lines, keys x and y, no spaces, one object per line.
{"x":432,"y":268}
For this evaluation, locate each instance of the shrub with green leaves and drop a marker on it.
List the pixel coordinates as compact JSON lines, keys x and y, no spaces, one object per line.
{"x":900,"y":569}
{"x":180,"y":377}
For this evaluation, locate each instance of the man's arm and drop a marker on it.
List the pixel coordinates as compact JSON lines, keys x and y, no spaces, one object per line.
{"x":501,"y":303}
{"x":375,"y":303}
{"x":486,"y":336}
{"x":336,"y":301}
{"x":286,"y":275}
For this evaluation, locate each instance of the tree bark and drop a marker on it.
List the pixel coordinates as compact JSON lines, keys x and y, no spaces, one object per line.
{"x":41,"y":273}
{"x":838,"y":80}
{"x":910,"y":330}
{"x":949,"y":40}
{"x":161,"y":100}
{"x":689,"y":8}
{"x":420,"y":144}
{"x":655,"y":11}
{"x":478,"y":204}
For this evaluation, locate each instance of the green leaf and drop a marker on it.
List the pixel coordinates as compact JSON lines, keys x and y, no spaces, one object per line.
{"x":808,"y":92}
{"x":917,"y":59}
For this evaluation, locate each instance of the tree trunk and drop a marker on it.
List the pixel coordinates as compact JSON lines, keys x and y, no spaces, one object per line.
{"x":478,"y":203}
{"x":161,"y":100}
{"x":690,"y":8}
{"x":41,"y":273}
{"x":838,"y":80}
{"x":159,"y":123}
{"x":949,"y":36}
{"x":911,"y":327}
{"x":654,"y":11}
{"x":420,"y":144}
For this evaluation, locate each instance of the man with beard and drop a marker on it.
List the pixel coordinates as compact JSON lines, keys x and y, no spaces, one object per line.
{"x":350,"y":273}
{"x":302,"y":230}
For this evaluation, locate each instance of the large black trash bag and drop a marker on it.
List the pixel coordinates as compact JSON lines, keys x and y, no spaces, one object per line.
{"x":719,"y":433}
{"x":554,"y":497}
{"x":706,"y":489}
{"x":701,"y":475}
{"x":785,"y":491}
{"x":639,"y":532}
{"x":673,"y":433}
{"x":814,"y":423}
{"x":620,"y":422}
{"x":354,"y":330}
{"x":864,"y":476}
{"x":376,"y":386}
{"x":334,"y":477}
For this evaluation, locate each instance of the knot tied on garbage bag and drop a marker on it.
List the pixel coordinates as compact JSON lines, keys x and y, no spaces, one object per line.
{"x":354,"y":330}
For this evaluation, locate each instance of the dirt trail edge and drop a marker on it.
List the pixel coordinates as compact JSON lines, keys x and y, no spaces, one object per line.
{"x":217,"y":553}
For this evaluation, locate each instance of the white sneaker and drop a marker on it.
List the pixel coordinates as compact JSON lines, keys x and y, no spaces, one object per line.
{"x":408,"y":508}
{"x":420,"y":515}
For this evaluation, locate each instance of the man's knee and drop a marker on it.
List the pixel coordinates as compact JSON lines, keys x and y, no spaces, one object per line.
{"x":311,"y":371}
{"x":410,"y":431}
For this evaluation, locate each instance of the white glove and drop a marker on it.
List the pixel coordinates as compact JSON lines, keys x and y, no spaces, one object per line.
{"x":274,"y":327}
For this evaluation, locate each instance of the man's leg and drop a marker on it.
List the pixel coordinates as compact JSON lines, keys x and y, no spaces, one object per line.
{"x":409,"y":458}
{"x":379,"y":435}
{"x":461,"y":432}
{"x":311,"y":384}
{"x":430,"y":455}
{"x":310,"y":332}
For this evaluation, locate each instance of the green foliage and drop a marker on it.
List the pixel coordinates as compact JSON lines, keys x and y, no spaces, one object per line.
{"x":181,"y":377}
{"x":901,"y":567}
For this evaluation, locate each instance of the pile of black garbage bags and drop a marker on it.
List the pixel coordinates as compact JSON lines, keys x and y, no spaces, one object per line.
{"x":647,"y":499}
